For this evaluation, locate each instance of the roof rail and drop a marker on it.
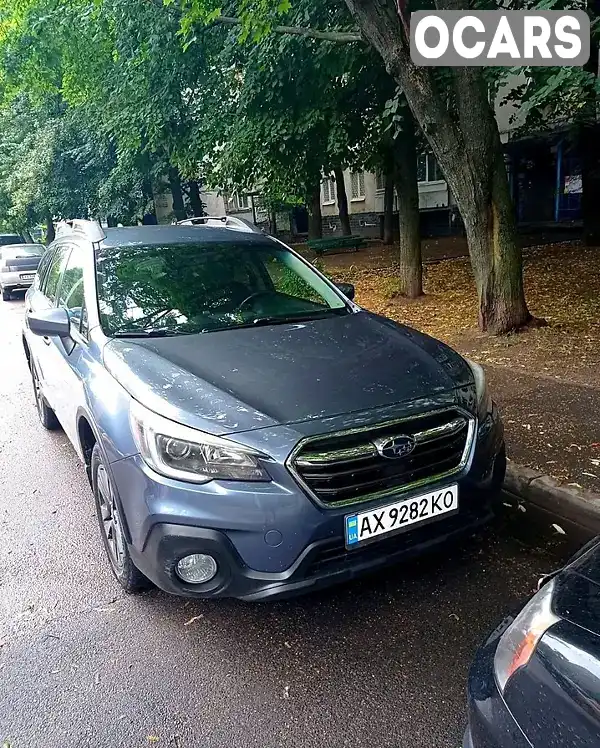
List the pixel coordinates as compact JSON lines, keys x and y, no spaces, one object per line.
{"x":227,"y":222}
{"x":92,"y":230}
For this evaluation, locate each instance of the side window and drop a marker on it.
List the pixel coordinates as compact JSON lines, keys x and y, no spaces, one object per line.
{"x":286,"y":280}
{"x":50,"y":285}
{"x":42,"y":270}
{"x":70,"y":291}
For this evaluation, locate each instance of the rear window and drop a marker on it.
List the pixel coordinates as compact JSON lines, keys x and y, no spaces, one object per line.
{"x":22,"y":250}
{"x":11,"y":239}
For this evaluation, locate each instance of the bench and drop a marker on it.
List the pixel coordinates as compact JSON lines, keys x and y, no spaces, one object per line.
{"x":334,"y":243}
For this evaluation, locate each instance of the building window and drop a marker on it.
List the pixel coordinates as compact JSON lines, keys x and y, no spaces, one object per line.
{"x":328,"y":191}
{"x":357,"y":185}
{"x":380,"y":181}
{"x":428,"y":169}
{"x":240,"y":202}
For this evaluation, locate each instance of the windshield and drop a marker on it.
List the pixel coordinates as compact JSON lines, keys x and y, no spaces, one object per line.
{"x":22,"y":250}
{"x":191,"y":288}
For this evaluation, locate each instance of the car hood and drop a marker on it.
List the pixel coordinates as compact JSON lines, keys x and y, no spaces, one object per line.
{"x":577,"y":591}
{"x":238,"y":380}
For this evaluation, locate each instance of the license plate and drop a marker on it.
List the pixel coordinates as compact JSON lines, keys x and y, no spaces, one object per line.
{"x":394,"y":518}
{"x":28,"y":276}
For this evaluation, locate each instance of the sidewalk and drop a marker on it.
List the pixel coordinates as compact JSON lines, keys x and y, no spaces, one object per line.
{"x":551,"y":426}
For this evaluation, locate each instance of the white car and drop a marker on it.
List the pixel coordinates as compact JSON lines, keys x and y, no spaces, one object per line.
{"x":18,"y":265}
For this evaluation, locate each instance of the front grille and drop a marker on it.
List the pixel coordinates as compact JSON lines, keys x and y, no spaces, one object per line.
{"x":348,"y":467}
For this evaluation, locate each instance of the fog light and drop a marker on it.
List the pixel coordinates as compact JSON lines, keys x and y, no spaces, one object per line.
{"x":196,"y":569}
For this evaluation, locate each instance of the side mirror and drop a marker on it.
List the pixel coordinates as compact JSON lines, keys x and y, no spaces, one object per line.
{"x":347,"y":289}
{"x":50,"y":322}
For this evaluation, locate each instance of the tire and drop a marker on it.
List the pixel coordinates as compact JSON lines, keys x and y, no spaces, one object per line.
{"x":112,"y":530}
{"x":6,"y":295}
{"x":47,"y":416}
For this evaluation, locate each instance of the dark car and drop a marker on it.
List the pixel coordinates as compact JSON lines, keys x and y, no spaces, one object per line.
{"x":536,"y":681}
{"x":248,"y":430}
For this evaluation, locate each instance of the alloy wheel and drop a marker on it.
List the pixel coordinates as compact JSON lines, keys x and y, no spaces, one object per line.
{"x":111,"y":520}
{"x":37,"y":391}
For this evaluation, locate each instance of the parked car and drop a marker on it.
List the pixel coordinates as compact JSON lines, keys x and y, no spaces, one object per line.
{"x":536,"y":681}
{"x":248,"y":430}
{"x":18,"y":263}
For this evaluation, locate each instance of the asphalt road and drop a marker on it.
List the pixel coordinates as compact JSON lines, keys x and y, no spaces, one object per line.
{"x":382,"y":662}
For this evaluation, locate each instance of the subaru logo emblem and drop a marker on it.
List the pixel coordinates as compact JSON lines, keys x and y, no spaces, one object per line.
{"x":395,"y":447}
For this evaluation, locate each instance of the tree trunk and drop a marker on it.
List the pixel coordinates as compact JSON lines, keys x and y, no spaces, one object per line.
{"x":50,"y":232}
{"x":315,"y":219}
{"x":388,"y":209}
{"x":342,"y":199}
{"x":176,"y":191}
{"x":111,"y":221}
{"x":195,"y":199}
{"x":470,"y":154}
{"x":273,"y":222}
{"x":407,"y":190}
{"x":589,"y":152}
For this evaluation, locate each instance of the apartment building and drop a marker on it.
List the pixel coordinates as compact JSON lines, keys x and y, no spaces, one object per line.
{"x":544,"y":171}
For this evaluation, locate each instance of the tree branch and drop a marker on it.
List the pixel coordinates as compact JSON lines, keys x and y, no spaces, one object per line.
{"x":340,"y":37}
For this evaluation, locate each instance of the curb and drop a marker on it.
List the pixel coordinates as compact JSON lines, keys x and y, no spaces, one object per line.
{"x":565,"y":509}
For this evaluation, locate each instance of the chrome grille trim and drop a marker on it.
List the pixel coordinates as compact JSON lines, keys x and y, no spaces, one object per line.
{"x":336,"y":457}
{"x":448,"y":429}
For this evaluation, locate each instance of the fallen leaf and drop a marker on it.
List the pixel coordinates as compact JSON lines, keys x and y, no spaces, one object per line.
{"x":153,"y":738}
{"x":193,"y":619}
{"x":286,"y":692}
{"x":559,"y":529}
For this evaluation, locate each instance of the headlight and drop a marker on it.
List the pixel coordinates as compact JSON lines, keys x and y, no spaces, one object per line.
{"x":484,"y":399}
{"x":518,"y":642}
{"x":181,"y":452}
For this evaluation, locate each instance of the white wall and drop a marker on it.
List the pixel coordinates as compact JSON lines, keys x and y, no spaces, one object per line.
{"x":431,"y":195}
{"x":214,"y":203}
{"x":163,"y":204}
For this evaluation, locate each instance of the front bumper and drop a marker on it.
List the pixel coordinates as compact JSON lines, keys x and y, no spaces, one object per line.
{"x":271,"y":540}
{"x":322,"y":564}
{"x":491,"y":724}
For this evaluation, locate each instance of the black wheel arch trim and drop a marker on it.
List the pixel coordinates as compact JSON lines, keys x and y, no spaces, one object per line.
{"x":82,"y":413}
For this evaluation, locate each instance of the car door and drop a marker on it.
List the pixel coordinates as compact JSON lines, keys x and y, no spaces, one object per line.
{"x":42,"y":296}
{"x":64,"y":370}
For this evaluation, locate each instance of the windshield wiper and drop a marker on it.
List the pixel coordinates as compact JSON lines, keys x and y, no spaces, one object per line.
{"x":147,"y":333}
{"x":285,"y":319}
{"x":301,"y":317}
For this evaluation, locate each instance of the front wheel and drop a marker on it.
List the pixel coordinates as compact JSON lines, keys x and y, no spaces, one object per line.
{"x":112,"y":531}
{"x":47,"y":416}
